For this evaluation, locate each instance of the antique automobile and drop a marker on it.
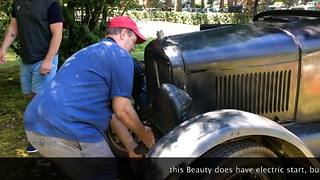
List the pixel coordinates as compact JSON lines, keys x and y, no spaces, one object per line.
{"x":233,"y":92}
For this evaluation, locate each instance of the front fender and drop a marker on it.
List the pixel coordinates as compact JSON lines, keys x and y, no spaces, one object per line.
{"x":194,"y":137}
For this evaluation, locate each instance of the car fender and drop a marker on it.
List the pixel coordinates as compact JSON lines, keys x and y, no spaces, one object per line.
{"x":195,"y":136}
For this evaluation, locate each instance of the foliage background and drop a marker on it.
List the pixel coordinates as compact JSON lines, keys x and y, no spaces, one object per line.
{"x":85,"y":20}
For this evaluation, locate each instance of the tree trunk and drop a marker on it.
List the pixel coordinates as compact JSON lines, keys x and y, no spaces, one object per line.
{"x":193,"y":4}
{"x":178,"y":6}
{"x":221,"y":5}
{"x":202,"y":4}
{"x":168,"y":5}
{"x":230,"y":3}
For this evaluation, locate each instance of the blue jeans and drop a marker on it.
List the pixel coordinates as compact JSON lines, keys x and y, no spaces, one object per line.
{"x":78,"y":160}
{"x":31,"y":79}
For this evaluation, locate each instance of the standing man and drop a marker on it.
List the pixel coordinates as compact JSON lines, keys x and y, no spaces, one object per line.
{"x":68,"y":117}
{"x":38,"y":25}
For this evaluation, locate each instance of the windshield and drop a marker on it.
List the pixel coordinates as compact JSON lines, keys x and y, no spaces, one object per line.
{"x":269,"y":5}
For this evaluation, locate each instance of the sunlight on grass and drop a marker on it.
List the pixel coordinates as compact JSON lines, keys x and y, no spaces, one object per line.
{"x":13,"y":141}
{"x":21,"y":152}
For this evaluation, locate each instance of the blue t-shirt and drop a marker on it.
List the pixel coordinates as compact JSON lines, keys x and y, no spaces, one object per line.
{"x":77,"y":104}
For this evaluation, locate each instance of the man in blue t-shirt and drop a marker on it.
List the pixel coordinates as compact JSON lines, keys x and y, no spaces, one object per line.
{"x":68,"y":117}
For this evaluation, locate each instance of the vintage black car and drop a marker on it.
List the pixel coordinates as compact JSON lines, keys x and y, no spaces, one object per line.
{"x":235,"y":91}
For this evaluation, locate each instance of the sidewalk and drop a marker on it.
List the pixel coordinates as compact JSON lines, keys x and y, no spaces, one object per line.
{"x":150,"y":28}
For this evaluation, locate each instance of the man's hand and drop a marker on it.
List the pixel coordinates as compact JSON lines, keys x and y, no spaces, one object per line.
{"x":2,"y":55}
{"x":46,"y":67}
{"x":148,"y":138}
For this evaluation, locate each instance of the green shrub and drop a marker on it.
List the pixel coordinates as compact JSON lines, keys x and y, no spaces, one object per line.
{"x":90,"y":26}
{"x":189,"y":17}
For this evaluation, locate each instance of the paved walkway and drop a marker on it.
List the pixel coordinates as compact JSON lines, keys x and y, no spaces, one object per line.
{"x":150,"y":28}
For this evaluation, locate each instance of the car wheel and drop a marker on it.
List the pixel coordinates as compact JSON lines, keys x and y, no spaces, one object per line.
{"x":234,"y":160}
{"x":115,"y":144}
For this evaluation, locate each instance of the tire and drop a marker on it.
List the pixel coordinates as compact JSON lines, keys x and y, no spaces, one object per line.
{"x":115,"y":144}
{"x":244,"y":154}
{"x":117,"y":148}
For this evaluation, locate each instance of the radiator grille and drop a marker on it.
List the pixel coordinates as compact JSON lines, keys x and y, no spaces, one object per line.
{"x":159,"y":72}
{"x":260,"y":93}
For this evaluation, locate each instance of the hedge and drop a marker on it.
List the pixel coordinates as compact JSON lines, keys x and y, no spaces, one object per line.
{"x":189,"y":17}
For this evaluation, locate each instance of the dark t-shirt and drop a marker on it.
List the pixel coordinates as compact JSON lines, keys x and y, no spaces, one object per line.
{"x":34,"y":19}
{"x":54,"y":13}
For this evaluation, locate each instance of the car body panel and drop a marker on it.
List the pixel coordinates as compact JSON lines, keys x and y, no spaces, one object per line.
{"x":194,"y":137}
{"x":258,"y":80}
{"x":267,"y":67}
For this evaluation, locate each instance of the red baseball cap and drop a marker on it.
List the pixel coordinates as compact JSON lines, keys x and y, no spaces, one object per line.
{"x":126,"y":22}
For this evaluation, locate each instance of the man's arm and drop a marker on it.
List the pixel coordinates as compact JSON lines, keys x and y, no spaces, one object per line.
{"x":56,"y":25}
{"x":125,"y":137}
{"x":124,"y":111}
{"x":10,"y":36}
{"x":56,"y":30}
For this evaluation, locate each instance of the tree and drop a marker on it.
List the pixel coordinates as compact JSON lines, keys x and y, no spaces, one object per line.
{"x":221,"y":4}
{"x":230,"y":3}
{"x":168,"y":5}
{"x":85,"y":21}
{"x":193,"y":4}
{"x":178,"y":6}
{"x":202,"y":4}
{"x":5,"y":14}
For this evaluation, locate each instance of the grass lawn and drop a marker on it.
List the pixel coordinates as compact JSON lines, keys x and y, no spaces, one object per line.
{"x":139,"y":51}
{"x":13,"y":103}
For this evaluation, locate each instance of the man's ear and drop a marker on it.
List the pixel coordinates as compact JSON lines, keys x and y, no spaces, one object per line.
{"x":123,"y":33}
